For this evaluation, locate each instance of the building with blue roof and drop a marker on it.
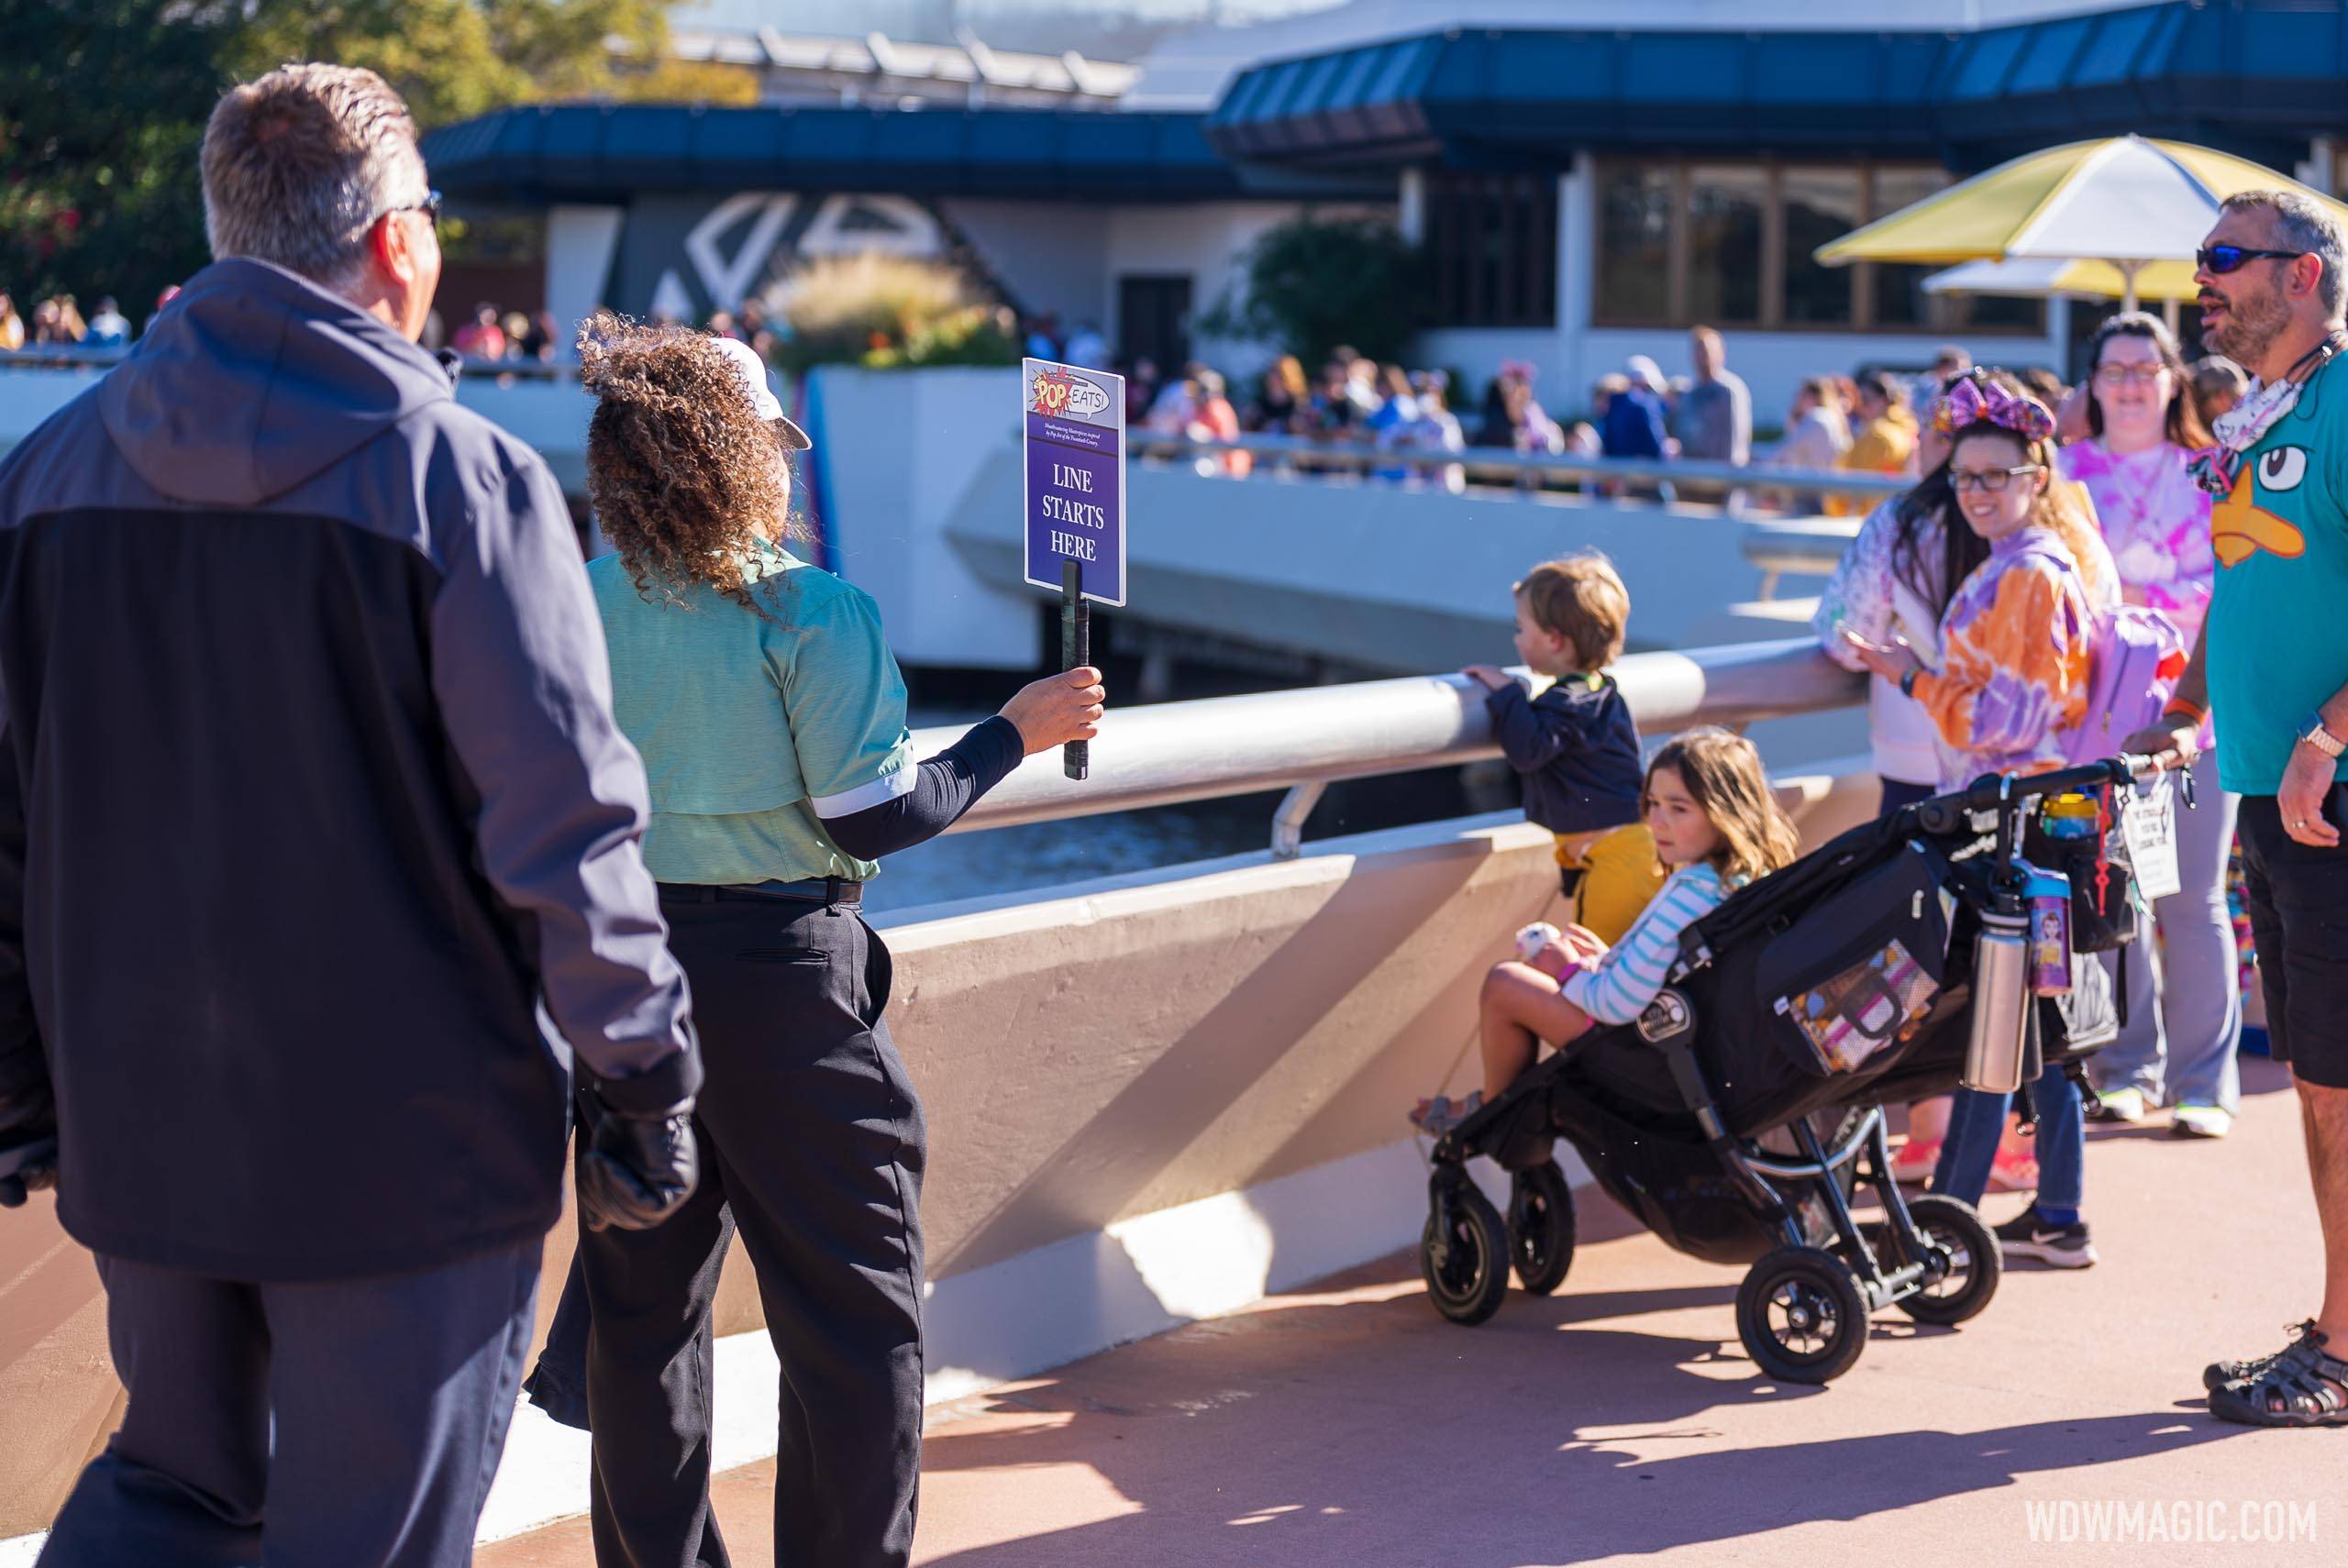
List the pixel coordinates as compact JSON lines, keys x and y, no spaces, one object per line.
{"x":1588,"y":180}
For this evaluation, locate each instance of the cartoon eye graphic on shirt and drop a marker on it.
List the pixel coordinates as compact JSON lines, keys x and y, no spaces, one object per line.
{"x":2283,"y":468}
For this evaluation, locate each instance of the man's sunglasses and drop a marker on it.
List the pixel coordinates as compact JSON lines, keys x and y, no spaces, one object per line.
{"x":430,"y":206}
{"x":2221,"y":259}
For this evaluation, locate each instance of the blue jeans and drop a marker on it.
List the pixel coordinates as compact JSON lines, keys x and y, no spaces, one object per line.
{"x":1977,"y":1121}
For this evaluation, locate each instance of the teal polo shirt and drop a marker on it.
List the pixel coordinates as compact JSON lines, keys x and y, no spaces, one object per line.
{"x":2277,"y":637}
{"x":753,"y":727}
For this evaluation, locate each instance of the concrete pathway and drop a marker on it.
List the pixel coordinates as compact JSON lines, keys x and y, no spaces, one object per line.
{"x":1349,"y":1426}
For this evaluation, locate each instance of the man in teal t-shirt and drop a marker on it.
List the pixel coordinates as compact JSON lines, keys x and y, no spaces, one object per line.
{"x":2274,"y":280}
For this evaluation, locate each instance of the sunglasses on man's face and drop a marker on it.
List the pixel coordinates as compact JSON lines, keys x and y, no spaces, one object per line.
{"x":2219,"y":259}
{"x":429,"y":206}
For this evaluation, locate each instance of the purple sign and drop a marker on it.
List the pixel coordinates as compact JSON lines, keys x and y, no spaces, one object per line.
{"x":1075,"y":444}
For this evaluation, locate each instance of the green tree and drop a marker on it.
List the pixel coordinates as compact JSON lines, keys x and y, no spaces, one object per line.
{"x":455,"y":59}
{"x":102,"y":104}
{"x":102,"y":109}
{"x":1314,"y":283}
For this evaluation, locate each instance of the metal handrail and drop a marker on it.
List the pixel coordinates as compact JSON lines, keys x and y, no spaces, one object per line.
{"x":1681,"y":473}
{"x":1168,"y":753}
{"x":75,"y":357}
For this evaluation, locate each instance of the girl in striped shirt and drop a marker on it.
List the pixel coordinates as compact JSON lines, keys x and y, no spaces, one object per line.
{"x":1717,"y":826}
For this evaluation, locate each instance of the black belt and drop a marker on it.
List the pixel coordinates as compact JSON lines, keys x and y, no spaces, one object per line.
{"x":833,"y":890}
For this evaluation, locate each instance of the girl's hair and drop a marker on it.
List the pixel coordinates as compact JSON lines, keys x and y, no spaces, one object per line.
{"x":2061,"y":507}
{"x":2184,"y":428}
{"x":1722,"y":772}
{"x":684,"y":475}
{"x":1935,"y":578}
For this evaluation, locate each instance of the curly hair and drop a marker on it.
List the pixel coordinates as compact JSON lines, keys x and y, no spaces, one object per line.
{"x":684,"y":475}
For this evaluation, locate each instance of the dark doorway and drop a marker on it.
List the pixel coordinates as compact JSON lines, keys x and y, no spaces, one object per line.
{"x":1154,"y":319}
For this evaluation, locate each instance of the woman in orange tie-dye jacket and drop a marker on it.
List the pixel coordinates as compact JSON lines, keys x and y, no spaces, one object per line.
{"x":2016,"y":642}
{"x":2018,"y":633}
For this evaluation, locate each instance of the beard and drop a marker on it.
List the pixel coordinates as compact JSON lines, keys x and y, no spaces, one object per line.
{"x":2252,"y":321}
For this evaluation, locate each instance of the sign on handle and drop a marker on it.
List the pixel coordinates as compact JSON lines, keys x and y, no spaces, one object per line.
{"x":1073,"y":429}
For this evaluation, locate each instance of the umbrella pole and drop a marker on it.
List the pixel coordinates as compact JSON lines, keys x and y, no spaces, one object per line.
{"x":2128,"y":270}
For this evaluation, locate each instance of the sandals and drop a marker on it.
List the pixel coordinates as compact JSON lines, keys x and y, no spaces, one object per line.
{"x":2217,"y":1374}
{"x":1438,"y":1116}
{"x":2300,"y":1387}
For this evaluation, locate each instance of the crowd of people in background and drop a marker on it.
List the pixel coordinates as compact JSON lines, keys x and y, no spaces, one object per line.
{"x":57,"y":323}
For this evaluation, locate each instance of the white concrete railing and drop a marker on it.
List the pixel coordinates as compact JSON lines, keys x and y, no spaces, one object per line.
{"x":1303,"y":740}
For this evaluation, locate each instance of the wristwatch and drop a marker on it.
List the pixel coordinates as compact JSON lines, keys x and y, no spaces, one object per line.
{"x":2322,"y":739}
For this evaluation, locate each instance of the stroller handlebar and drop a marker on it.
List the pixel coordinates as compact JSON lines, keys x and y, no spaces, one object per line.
{"x":1985,"y":793}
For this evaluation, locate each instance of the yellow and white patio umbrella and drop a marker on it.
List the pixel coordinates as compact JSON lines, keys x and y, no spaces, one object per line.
{"x":2167,"y":282}
{"x":2126,"y":203}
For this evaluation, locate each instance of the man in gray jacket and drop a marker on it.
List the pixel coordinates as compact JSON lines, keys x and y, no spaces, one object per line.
{"x":319,"y":860}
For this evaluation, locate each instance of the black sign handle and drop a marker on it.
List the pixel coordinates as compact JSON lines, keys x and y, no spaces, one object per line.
{"x":1076,"y":650}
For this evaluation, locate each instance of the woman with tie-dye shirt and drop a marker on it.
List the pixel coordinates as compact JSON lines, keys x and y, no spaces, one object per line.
{"x":2184,"y":1017}
{"x":2016,"y":644}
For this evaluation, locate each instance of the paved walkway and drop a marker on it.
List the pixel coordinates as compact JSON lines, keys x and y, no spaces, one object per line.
{"x":1349,"y":1426}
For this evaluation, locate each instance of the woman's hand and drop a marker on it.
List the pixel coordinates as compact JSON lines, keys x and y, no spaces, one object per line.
{"x":1892,"y":662}
{"x":1058,"y":709}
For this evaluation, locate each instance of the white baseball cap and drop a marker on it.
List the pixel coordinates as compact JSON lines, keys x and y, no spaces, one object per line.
{"x":753,"y":371}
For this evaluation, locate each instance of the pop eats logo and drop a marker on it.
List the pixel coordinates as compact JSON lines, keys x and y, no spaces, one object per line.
{"x":1058,"y":392}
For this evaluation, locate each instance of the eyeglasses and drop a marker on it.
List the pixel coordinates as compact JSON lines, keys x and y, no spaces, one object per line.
{"x":430,"y":205}
{"x":2224,"y":259}
{"x":2145,"y":373}
{"x":1994,"y":481}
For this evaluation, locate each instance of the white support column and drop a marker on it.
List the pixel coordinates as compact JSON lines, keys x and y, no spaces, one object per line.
{"x":1576,"y":273}
{"x":2058,"y":334}
{"x":1411,"y":206}
{"x":2322,"y":170}
{"x":580,"y":243}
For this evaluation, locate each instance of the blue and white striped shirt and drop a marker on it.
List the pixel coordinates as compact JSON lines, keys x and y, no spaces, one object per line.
{"x":1632,"y":971}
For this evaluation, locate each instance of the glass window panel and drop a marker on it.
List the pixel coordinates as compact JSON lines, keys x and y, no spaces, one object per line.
{"x":1634,"y":242}
{"x":1724,"y":204}
{"x":1822,"y":205}
{"x":1900,"y":297}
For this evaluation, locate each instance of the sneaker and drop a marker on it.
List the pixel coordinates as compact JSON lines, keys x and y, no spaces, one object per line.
{"x":1913,"y":1166}
{"x":2201,"y":1121}
{"x":2122,"y":1105}
{"x":2012,"y":1172}
{"x":2059,"y":1246}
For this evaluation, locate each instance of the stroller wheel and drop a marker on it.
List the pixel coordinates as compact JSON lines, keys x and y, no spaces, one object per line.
{"x":1541,"y":1228}
{"x":1463,"y":1255}
{"x":1801,"y":1317}
{"x":1975,"y":1262}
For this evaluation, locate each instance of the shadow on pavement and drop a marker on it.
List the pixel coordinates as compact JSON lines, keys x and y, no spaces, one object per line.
{"x":1491,"y":1448}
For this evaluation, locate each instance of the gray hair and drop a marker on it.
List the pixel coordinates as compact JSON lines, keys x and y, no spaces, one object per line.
{"x":2308,"y":226}
{"x":299,"y":164}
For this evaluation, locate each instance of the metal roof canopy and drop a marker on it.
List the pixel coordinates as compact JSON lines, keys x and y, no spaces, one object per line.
{"x":615,"y":151}
{"x":2256,"y":76}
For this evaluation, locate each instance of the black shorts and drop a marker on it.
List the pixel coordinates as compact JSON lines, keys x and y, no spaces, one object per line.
{"x":2298,"y":918}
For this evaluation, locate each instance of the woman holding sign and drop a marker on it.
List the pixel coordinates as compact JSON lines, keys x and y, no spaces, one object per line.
{"x":771,"y":720}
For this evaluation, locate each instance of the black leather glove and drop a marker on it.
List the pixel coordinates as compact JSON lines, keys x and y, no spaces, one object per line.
{"x":28,"y":1145}
{"x":636,"y":1170}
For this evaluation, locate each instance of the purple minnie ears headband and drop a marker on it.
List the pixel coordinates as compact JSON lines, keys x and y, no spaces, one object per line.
{"x":1978,"y":400}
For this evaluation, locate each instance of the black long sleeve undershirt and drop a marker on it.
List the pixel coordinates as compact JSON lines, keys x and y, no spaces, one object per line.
{"x":945,"y":785}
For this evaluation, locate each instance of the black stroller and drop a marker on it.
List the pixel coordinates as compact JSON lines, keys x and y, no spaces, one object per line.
{"x":1740,"y":1115}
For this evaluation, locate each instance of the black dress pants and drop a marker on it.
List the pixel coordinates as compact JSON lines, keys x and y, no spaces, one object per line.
{"x":813,"y":1144}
